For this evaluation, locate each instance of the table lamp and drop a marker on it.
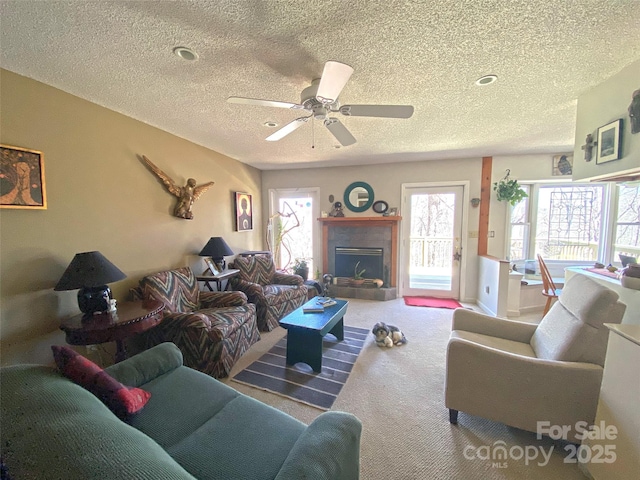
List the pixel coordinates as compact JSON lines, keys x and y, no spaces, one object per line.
{"x":217,"y":249}
{"x":90,"y":272}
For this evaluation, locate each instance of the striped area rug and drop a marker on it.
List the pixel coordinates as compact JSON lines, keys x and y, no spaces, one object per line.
{"x":299,"y":382}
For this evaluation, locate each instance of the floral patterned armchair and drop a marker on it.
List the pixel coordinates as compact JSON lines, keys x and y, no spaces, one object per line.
{"x":212,"y":329}
{"x":274,"y":294}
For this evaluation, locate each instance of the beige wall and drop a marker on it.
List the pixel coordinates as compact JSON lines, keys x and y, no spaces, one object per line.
{"x":100,"y":197}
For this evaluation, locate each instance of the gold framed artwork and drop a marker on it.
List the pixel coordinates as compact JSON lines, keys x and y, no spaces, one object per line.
{"x":562,"y":165}
{"x":244,"y":212}
{"x":22,"y":183}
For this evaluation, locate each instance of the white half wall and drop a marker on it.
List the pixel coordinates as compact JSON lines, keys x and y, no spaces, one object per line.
{"x":493,"y":286}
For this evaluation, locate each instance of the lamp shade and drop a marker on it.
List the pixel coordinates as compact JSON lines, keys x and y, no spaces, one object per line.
{"x":216,"y":248}
{"x":90,"y":272}
{"x":89,"y":269}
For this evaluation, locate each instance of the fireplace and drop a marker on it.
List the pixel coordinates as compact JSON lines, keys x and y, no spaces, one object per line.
{"x":379,"y":233}
{"x":367,"y":258}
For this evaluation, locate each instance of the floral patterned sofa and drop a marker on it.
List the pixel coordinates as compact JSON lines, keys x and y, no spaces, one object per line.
{"x":211,"y":329}
{"x":275,"y":294}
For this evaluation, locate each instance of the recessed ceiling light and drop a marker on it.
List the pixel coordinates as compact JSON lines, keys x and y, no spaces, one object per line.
{"x":270,"y":124}
{"x":486,"y":80}
{"x":186,"y":53}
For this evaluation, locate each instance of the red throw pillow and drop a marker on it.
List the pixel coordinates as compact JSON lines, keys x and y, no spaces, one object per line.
{"x":121,"y":400}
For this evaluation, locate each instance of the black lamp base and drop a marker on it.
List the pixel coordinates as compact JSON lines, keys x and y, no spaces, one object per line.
{"x":93,"y":300}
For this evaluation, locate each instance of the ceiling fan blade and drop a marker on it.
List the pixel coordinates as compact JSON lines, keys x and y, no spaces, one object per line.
{"x":287,"y":129}
{"x":339,"y":131}
{"x":263,"y":103}
{"x":334,"y":77}
{"x":387,"y":111}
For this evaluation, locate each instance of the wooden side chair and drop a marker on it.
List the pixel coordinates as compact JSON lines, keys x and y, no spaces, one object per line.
{"x":549,"y":288}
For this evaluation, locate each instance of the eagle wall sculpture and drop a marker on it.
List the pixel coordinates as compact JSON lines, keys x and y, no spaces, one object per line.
{"x":187,"y":195}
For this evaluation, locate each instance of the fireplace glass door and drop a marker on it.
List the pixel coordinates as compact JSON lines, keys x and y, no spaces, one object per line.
{"x":432,"y":241}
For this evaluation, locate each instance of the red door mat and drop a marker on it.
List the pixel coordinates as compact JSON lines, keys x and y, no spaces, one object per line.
{"x":432,"y":302}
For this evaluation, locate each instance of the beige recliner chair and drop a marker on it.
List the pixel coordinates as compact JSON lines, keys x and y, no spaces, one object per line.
{"x":519,"y":373}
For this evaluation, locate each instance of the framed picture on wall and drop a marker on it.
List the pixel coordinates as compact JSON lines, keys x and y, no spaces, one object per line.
{"x":22,"y":178}
{"x":244,"y":212}
{"x":609,"y":140}
{"x":212,"y":267}
{"x":562,"y":165}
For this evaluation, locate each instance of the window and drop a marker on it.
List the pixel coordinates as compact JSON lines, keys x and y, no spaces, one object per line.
{"x":520,"y":228}
{"x":572,"y":224}
{"x":627,"y":223}
{"x":569,"y":222}
{"x":290,"y":230}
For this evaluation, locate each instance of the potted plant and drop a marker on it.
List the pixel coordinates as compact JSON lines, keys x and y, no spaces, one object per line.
{"x":357,"y":279}
{"x":508,"y":190}
{"x":300,"y":267}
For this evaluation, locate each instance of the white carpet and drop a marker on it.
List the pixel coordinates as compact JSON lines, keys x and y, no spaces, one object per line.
{"x":398,"y":395}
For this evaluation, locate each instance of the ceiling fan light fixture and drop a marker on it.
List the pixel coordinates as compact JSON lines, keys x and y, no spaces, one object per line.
{"x":186,"y":53}
{"x":486,"y":80}
{"x":334,"y":77}
{"x":319,"y":100}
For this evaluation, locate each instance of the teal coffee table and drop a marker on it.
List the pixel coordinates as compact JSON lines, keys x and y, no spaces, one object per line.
{"x":305,"y":332}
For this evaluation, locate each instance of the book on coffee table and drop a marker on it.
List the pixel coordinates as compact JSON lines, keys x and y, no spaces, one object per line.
{"x":317,"y":308}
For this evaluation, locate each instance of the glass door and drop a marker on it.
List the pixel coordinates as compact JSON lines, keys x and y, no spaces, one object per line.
{"x":291,"y":227}
{"x":432,"y":248}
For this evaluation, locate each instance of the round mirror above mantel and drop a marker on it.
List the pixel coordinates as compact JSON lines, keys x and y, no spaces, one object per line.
{"x":358,"y":197}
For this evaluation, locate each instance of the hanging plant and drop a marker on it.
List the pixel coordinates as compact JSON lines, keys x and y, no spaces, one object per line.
{"x":508,"y":190}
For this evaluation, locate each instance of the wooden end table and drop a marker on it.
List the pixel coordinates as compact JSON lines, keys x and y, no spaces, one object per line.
{"x":129,"y":319}
{"x":224,"y":275}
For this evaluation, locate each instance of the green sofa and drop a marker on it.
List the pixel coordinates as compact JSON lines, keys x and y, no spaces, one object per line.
{"x":192,"y":427}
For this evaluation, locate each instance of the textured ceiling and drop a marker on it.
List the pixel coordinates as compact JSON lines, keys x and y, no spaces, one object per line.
{"x":424,"y":53}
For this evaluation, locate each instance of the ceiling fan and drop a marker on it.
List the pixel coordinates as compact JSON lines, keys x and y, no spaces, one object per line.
{"x":320,"y":101}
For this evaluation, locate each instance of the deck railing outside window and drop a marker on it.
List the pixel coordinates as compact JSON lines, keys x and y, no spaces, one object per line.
{"x":431,"y":252}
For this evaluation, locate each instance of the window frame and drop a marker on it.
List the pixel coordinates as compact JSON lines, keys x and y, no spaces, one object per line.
{"x":614,"y":223}
{"x":527,"y":187}
{"x":608,"y":226}
{"x":275,"y":194}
